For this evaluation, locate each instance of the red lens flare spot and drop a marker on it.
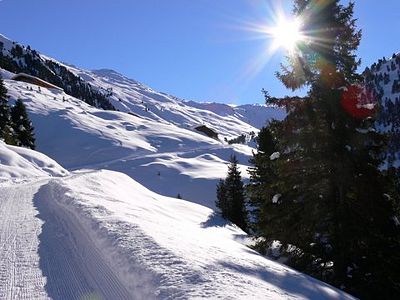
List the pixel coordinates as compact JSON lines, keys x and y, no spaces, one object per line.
{"x":359,"y":102}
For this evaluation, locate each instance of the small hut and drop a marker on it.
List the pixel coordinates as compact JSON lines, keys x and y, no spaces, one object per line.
{"x":36,"y":81}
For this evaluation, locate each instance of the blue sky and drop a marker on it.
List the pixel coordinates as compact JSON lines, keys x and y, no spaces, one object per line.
{"x":194,"y":49}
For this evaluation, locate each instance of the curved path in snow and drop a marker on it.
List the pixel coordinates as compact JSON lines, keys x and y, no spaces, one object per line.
{"x":45,"y":252}
{"x":101,"y":235}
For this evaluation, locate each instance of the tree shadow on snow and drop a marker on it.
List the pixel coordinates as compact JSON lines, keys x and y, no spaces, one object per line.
{"x":215,"y":220}
{"x":285,"y":279}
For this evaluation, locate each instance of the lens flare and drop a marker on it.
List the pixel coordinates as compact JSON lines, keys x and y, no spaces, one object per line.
{"x":286,"y":34}
{"x":275,"y":31}
{"x":359,"y":101}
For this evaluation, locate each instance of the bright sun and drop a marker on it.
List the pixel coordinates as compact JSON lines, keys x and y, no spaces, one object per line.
{"x":286,"y":34}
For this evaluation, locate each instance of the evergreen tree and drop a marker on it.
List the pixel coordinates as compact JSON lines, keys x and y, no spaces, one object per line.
{"x":262,"y":176}
{"x":222,"y":201}
{"x":22,"y":125}
{"x":3,"y":90}
{"x":6,"y":131}
{"x":334,"y":216}
{"x":231,"y":196}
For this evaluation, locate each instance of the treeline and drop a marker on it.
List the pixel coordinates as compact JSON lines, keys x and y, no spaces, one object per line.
{"x":25,"y":60}
{"x":385,"y":76}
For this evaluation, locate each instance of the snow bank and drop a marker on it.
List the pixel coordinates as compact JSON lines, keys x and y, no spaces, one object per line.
{"x":6,"y":74}
{"x":166,"y":248}
{"x":17,"y":162}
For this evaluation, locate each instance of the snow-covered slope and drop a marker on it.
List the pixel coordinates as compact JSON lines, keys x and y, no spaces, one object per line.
{"x":100,"y":234}
{"x":257,"y":115}
{"x":131,"y":96}
{"x":384,"y":78}
{"x":97,"y":233}
{"x":128,"y":95}
{"x":153,"y":137}
{"x":164,"y":157}
{"x":18,"y":163}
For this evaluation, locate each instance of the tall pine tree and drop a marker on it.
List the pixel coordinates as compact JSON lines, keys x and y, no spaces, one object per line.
{"x":22,"y":125}
{"x":6,"y":130}
{"x":262,"y":177}
{"x":231,"y":196}
{"x":335,"y":216}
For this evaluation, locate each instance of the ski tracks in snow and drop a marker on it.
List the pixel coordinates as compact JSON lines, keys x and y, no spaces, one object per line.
{"x":20,"y":275}
{"x":74,"y":267}
{"x":45,"y":252}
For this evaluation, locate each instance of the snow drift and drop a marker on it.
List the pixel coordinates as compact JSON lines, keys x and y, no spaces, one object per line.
{"x":18,"y":162}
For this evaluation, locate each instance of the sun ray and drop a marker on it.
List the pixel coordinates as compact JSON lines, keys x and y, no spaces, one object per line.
{"x":286,"y":33}
{"x":280,"y":32}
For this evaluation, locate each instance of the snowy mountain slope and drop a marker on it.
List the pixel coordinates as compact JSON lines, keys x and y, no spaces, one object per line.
{"x":131,"y":96}
{"x":6,"y":74}
{"x":384,"y":78}
{"x":100,"y":234}
{"x":164,"y":157}
{"x":152,"y":139}
{"x":17,"y":58}
{"x":256,"y":115}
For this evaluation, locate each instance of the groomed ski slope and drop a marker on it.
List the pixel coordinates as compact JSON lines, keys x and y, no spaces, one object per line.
{"x":101,"y":235}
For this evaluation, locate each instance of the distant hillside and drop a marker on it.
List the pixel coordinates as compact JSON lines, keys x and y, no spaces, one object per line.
{"x":151,"y":136}
{"x":17,"y":58}
{"x":108,"y":89}
{"x":384,"y":78}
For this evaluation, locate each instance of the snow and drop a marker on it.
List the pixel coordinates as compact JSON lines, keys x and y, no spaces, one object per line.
{"x":275,"y":198}
{"x":18,"y":162}
{"x":102,"y":234}
{"x":274,"y":156}
{"x":102,"y":229}
{"x":157,"y":136}
{"x":80,"y":136}
{"x":7,"y":43}
{"x":253,"y":114}
{"x":6,"y":74}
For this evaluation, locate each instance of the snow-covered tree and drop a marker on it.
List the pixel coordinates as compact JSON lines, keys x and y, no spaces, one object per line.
{"x":23,"y":128}
{"x":6,"y":130}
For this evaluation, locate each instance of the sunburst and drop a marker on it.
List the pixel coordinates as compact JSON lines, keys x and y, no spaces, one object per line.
{"x":286,"y":33}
